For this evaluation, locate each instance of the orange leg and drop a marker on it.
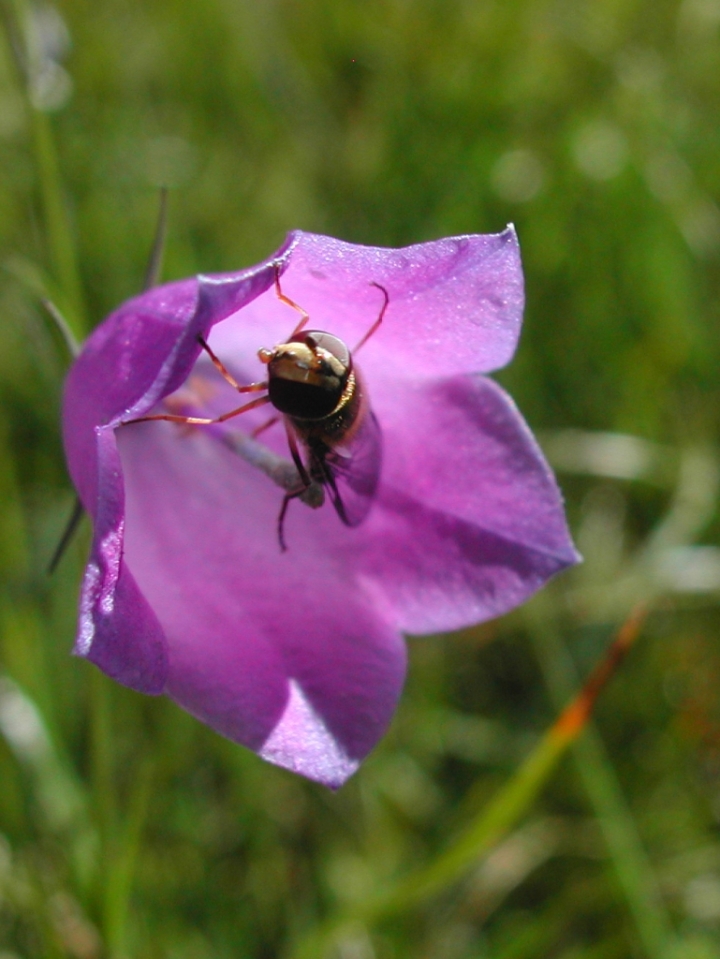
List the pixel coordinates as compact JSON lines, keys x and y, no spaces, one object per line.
{"x":286,"y":299}
{"x":201,"y":420}
{"x":226,"y":374}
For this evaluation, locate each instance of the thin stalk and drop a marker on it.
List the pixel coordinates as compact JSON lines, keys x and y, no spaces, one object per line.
{"x":103,"y":784}
{"x":58,"y":228}
{"x":496,"y":819}
{"x":153,"y":271}
{"x":121,"y":873}
{"x":631,"y":865}
{"x":61,"y":246}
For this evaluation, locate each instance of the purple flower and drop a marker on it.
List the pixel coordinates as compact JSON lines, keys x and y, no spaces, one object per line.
{"x":299,"y":655}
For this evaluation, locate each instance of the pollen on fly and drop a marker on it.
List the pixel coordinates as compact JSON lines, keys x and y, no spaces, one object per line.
{"x":333,"y":436}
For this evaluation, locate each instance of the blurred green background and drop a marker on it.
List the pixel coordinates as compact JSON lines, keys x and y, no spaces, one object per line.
{"x":128,"y":829}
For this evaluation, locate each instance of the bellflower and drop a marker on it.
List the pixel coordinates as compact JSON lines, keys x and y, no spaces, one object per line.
{"x":299,"y":655}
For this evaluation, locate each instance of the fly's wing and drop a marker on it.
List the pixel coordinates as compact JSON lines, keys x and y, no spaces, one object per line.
{"x":351,"y":472}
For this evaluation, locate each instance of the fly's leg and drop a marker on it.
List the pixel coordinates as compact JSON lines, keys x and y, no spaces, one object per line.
{"x":294,"y":494}
{"x":281,"y":516}
{"x":329,"y":482}
{"x":305,"y":316}
{"x":206,"y":420}
{"x":378,"y":321}
{"x":201,"y":420}
{"x":305,"y":481}
{"x":297,"y":460}
{"x":264,"y":426}
{"x":226,"y":374}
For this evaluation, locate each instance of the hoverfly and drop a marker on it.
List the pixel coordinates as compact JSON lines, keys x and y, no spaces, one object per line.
{"x":321,"y":399}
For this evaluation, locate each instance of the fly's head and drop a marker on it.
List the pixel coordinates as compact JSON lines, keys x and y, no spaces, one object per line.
{"x":308,"y":375}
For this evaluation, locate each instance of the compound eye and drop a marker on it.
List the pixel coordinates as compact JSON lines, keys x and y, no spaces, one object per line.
{"x":318,"y":339}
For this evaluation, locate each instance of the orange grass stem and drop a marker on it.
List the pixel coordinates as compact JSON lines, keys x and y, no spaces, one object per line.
{"x":493,"y":821}
{"x":573,"y":718}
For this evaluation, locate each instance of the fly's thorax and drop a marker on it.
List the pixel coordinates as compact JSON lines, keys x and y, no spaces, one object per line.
{"x":309,"y":376}
{"x":339,"y":426}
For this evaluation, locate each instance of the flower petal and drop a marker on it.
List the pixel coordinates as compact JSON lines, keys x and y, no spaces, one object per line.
{"x":455,"y":305}
{"x":143,"y":352}
{"x":469,"y":520}
{"x":118,"y":630}
{"x":277,"y":651}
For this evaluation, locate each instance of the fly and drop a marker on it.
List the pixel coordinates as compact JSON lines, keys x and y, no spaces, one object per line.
{"x":333,"y":436}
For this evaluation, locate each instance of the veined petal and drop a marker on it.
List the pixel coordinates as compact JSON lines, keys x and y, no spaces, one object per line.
{"x":263,"y":646}
{"x":144,"y":351}
{"x":455,"y":305}
{"x":469,"y":520}
{"x":119,"y":630}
